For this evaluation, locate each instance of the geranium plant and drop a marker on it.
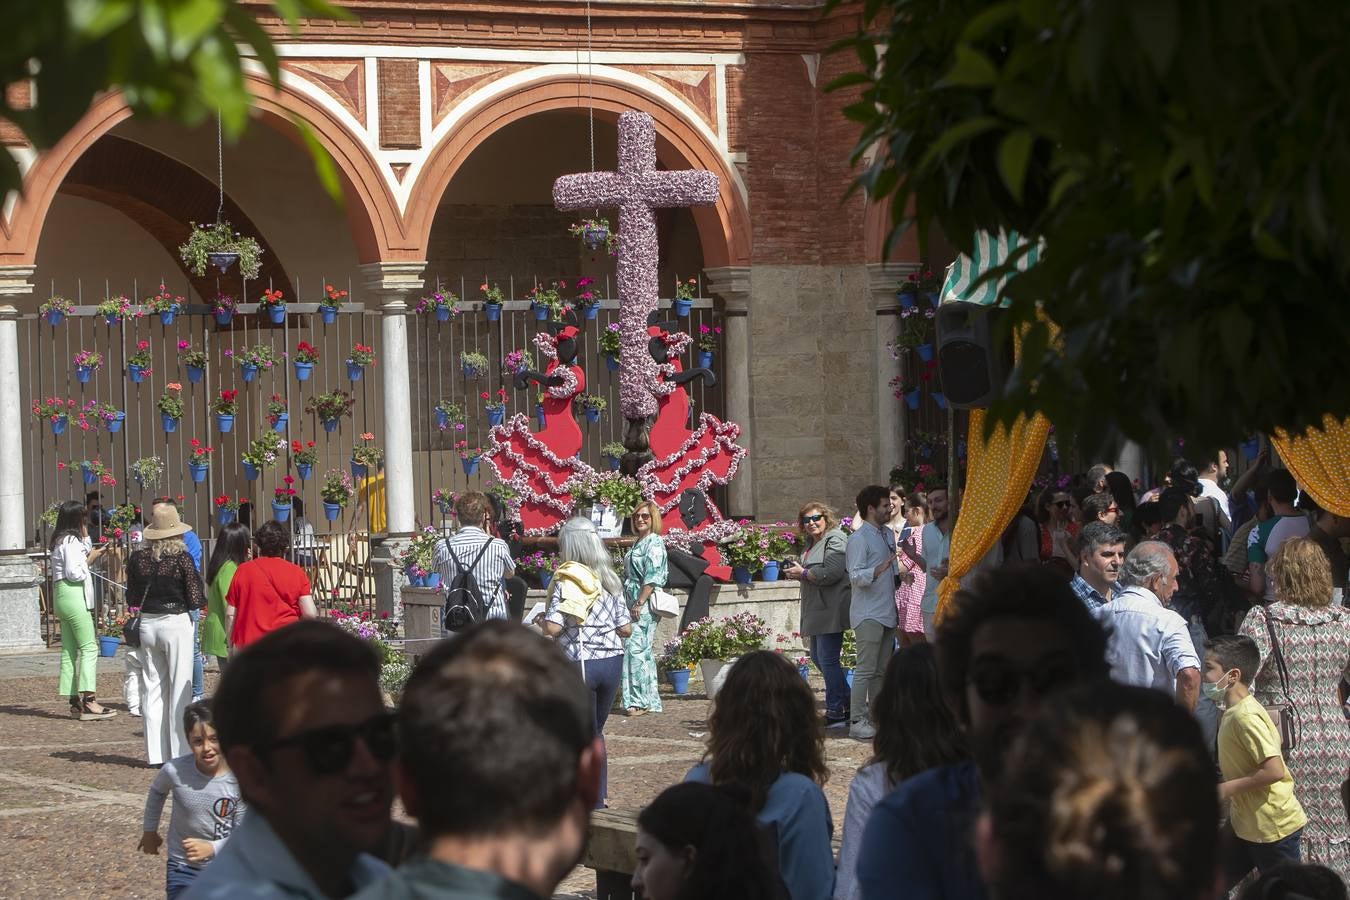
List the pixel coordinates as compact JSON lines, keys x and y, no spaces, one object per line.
{"x":366,"y":453}
{"x":593,"y":401}
{"x":361,"y":355}
{"x":120,"y":520}
{"x":707,"y":337}
{"x":263,"y":450}
{"x":99,"y":471}
{"x":163,"y":301}
{"x":492,"y":295}
{"x":451,"y":414}
{"x":304,"y":454}
{"x":284,"y":495}
{"x":444,"y":500}
{"x":170,"y":403}
{"x":260,"y":355}
{"x":467,"y":450}
{"x":332,"y":405}
{"x":724,"y":638}
{"x":276,"y":408}
{"x":118,"y":307}
{"x":332,"y":297}
{"x":223,"y":304}
{"x":225,"y":501}
{"x":551,"y":297}
{"x":271,"y":298}
{"x":53,"y":409}
{"x":594,"y":233}
{"x":220,"y":238}
{"x":141,"y":357}
{"x":439,"y":300}
{"x":621,"y":493}
{"x":609,"y":340}
{"x":56,"y":304}
{"x":754,"y":545}
{"x":306,"y":352}
{"x":337,"y":487}
{"x":473,"y":363}
{"x":148,"y":471}
{"x":586,"y":296}
{"x":491,"y":403}
{"x":686,"y":289}
{"x":191,"y":356}
{"x":226,"y":403}
{"x":88,"y":358}
{"x":104,"y":412}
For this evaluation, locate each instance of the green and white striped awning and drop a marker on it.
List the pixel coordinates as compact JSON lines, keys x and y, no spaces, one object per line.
{"x":990,"y":250}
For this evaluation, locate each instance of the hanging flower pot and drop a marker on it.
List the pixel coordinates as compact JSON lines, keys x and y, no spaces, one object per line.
{"x":54,"y":317}
{"x":88,"y":474}
{"x":612,"y":463}
{"x":303,"y":470}
{"x":224,"y":422}
{"x":198,"y":472}
{"x":359,"y":470}
{"x":223,"y":316}
{"x":1251,"y":448}
{"x":328,"y":315}
{"x":592,"y":414}
{"x":595,"y":236}
{"x":933,"y":299}
{"x":925,"y":352}
{"x":590,"y":311}
{"x":114,"y":422}
{"x":330,"y":425}
{"x":442,"y":418}
{"x":470,"y":464}
{"x":250,"y":471}
{"x":769,"y":572}
{"x":496,"y":415}
{"x":135,"y":373}
{"x":681,"y":306}
{"x":279,"y":425}
{"x":906,"y":299}
{"x":331,"y":511}
{"x":59,"y":424}
{"x":540,"y":312}
{"x":248,"y":371}
{"x":224,"y":516}
{"x":223,"y":261}
{"x":281,"y":511}
{"x":705,"y":359}
{"x":277,"y":316}
{"x":611,"y":362}
{"x":912,"y":398}
{"x":679,"y":680}
{"x":354,"y":372}
{"x":303,"y":370}
{"x":539,"y":414}
{"x":940,"y":399}
{"x":112,"y":321}
{"x":195,"y":374}
{"x":166,"y":315}
{"x":83,"y":374}
{"x":442,"y":314}
{"x":169,"y":422}
{"x":492,"y":311}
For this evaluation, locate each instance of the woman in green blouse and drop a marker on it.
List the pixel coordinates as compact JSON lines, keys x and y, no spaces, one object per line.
{"x":232,"y":548}
{"x":644,"y":570}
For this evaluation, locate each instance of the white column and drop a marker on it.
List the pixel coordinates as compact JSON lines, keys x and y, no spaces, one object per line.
{"x":732,"y":284}
{"x":20,"y":621}
{"x":883,"y":279}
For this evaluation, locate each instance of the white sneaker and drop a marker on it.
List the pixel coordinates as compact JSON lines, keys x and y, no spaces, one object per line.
{"x":862,"y":730}
{"x":134,"y":712}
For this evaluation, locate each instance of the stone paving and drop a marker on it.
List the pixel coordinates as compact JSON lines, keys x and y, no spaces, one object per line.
{"x":71,"y":793}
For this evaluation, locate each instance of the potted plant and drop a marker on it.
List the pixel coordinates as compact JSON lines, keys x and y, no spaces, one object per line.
{"x":594,"y":233}
{"x":515,"y":362}
{"x":221,"y":246}
{"x":468,"y":456}
{"x":707,"y":343}
{"x":360,"y":357}
{"x":111,"y":417}
{"x":417,"y":559}
{"x":609,"y":346}
{"x":277,"y":416}
{"x":443,"y":303}
{"x":94,"y":472}
{"x":227,"y":509}
{"x":115,"y":309}
{"x":147,"y":471}
{"x":225,"y":405}
{"x":613,"y":452}
{"x":492,"y":301}
{"x":110,"y":625}
{"x":684,"y":296}
{"x":170,"y":405}
{"x":606,"y":498}
{"x":55,"y":309}
{"x":473,"y":363}
{"x":138,"y":362}
{"x":273,"y":305}
{"x":448,"y":413}
{"x":54,"y":412}
{"x":494,"y":406}
{"x":915,"y":334}
{"x":262,"y":451}
{"x":199,"y":460}
{"x":718,"y":642}
{"x":194,"y":361}
{"x":547,"y":302}
{"x":86,"y":362}
{"x":538,"y":567}
{"x":304,"y":455}
{"x":259,"y":356}
{"x":331,"y":302}
{"x":281,"y":499}
{"x":504,"y":493}
{"x":675,"y":664}
{"x":222,"y":307}
{"x":758,"y":548}
{"x":330,"y":407}
{"x":164,"y":303}
{"x":306,"y":355}
{"x":444,"y":501}
{"x":366,"y":456}
{"x":337,"y":491}
{"x":593,"y":405}
{"x":586,"y":299}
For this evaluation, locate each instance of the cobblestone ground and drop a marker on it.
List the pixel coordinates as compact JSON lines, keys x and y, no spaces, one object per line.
{"x":71,"y":792}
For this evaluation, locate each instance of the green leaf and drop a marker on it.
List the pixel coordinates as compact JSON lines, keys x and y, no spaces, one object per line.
{"x":962,"y":131}
{"x":1014,"y":153}
{"x":1156,"y":24}
{"x":251,"y":33}
{"x":95,"y":19}
{"x":189,"y":21}
{"x":971,"y":69}
{"x":986,"y":21}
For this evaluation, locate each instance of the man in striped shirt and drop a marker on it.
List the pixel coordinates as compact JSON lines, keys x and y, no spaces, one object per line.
{"x":492,"y":568}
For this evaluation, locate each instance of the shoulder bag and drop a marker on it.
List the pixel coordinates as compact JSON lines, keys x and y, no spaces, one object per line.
{"x":131,"y":628}
{"x":1283,"y":714}
{"x":664,"y":606}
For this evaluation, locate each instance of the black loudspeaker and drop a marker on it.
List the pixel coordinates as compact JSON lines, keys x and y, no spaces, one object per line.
{"x":972,"y":363}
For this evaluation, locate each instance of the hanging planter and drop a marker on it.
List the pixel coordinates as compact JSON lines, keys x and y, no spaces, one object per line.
{"x":198,"y":472}
{"x":611,"y":363}
{"x":83,"y":374}
{"x":705,"y":359}
{"x":87,"y":473}
{"x":55,"y":309}
{"x":303,"y":470}
{"x":114,"y":421}
{"x":59,"y":423}
{"x":135,"y":373}
{"x":940,"y":399}
{"x":195,"y":374}
{"x":224,"y":423}
{"x":912,"y":398}
{"x":473,"y":364}
{"x":281,"y":511}
{"x":250,"y":470}
{"x":330,"y":425}
{"x":221,"y":247}
{"x":331,"y":511}
{"x":225,"y":515}
{"x":248,"y":371}
{"x":470,"y":465}
{"x":590,"y":310}
{"x":595,"y":234}
{"x":169,"y":422}
{"x":1251,"y":448}
{"x":273,"y":305}
{"x":280,"y":421}
{"x":539,"y":414}
{"x":925,"y":352}
{"x":906,"y":296}
{"x":303,"y":370}
{"x":684,"y":296}
{"x":495,"y":415}
{"x":223,"y":260}
{"x":328,"y":306}
{"x":359,"y":470}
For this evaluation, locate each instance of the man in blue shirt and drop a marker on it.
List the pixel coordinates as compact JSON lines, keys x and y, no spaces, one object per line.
{"x":1008,"y":641}
{"x":872,"y":572}
{"x":194,"y":549}
{"x":1101,"y":550}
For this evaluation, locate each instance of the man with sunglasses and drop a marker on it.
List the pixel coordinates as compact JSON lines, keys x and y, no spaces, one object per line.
{"x":870,"y":558}
{"x":1005,"y":645}
{"x":302,"y":723}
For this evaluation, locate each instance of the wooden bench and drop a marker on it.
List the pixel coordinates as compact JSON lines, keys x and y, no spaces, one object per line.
{"x":611,"y":851}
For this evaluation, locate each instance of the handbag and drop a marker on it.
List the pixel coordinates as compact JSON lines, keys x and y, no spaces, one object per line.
{"x":664,"y":606}
{"x":1284,"y":715}
{"x":131,"y":628}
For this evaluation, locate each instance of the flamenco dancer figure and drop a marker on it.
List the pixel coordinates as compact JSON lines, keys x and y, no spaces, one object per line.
{"x":539,"y":465}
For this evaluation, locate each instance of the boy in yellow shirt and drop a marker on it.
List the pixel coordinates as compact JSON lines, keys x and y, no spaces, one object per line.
{"x":1265,"y":823}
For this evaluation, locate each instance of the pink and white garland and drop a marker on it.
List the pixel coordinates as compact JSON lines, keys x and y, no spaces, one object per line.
{"x":500,"y":436}
{"x":724,"y":441}
{"x":548,"y":345}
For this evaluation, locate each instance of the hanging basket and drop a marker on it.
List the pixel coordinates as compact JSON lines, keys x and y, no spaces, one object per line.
{"x":594,"y":236}
{"x":222,"y":261}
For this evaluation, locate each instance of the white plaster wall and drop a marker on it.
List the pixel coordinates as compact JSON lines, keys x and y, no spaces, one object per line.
{"x":90,"y":250}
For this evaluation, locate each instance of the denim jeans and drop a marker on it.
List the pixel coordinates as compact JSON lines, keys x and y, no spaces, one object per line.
{"x":178,"y":877}
{"x":824,"y":652}
{"x":1239,"y":857}
{"x":197,"y":658}
{"x":602,"y":677}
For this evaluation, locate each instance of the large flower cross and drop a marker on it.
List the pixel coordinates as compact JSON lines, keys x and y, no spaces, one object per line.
{"x":637,"y":188}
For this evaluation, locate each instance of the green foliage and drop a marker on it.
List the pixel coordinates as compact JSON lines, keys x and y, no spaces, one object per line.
{"x":219,"y":238}
{"x":724,"y":638}
{"x":1176,"y":163}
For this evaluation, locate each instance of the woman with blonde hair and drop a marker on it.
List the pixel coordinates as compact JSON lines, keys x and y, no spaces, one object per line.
{"x":824,"y":601}
{"x":1313,"y":639}
{"x":163,"y":581}
{"x":644,"y":570}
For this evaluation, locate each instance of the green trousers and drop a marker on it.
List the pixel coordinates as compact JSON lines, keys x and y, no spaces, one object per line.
{"x":79,"y":646}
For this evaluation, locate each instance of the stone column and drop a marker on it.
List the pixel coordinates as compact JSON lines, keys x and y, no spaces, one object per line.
{"x":882,"y":281}
{"x":732,"y":284}
{"x":390,"y":284}
{"x":20,"y":619}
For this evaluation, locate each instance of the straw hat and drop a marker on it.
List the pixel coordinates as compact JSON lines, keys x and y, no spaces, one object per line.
{"x":166,"y":524}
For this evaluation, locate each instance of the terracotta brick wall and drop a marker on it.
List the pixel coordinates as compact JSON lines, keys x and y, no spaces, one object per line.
{"x":400,"y":104}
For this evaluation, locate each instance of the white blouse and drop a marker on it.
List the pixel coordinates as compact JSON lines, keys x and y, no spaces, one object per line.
{"x":70,"y":560}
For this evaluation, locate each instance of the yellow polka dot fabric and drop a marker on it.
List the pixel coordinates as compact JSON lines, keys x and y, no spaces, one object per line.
{"x":1320,"y":460}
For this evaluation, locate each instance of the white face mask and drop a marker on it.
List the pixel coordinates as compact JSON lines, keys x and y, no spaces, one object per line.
{"x":1215,"y":691}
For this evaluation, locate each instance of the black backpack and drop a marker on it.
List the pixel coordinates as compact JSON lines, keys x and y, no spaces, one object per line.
{"x":464,"y":604}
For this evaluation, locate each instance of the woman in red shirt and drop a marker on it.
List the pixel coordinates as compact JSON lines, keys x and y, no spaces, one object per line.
{"x":267,"y":592}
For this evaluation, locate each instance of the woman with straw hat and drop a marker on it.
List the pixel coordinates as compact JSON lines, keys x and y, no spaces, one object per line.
{"x":163,"y":581}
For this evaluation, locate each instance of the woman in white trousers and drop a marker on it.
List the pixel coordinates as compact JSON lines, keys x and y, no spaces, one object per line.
{"x":163,"y":582}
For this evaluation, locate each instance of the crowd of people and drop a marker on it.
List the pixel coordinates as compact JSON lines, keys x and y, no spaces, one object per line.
{"x":1114,"y":704}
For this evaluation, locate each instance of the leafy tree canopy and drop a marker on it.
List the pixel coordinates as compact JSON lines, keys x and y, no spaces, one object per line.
{"x":1185,"y":168}
{"x":172,"y":59}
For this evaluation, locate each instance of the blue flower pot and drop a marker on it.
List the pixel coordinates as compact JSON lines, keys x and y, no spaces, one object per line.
{"x":1251,"y":448}
{"x":705,"y":358}
{"x":740,"y":574}
{"x":679,"y":680}
{"x":925,"y":352}
{"x":612,"y":463}
{"x":198,"y":472}
{"x":545,"y":579}
{"x":277,"y":316}
{"x":281,"y":511}
{"x":280,"y":424}
{"x":358,"y":470}
{"x":88,"y":474}
{"x":940,"y":399}
{"x":83,"y":374}
{"x":540,"y":312}
{"x":539,"y":414}
{"x":112,"y":321}
{"x":54,"y":317}
{"x":431,"y":580}
{"x":591,"y":311}
{"x":611,"y":363}
{"x":442,"y":314}
{"x":59,"y":424}
{"x":415,"y":578}
{"x":195,"y":374}
{"x":107,"y":645}
{"x":331,"y":511}
{"x":805,"y":671}
{"x":250,"y":471}
{"x":223,"y":317}
{"x":327,"y":315}
{"x":769,"y":572}
{"x":225,"y":516}
{"x":169,"y":422}
{"x":933,"y":299}
{"x":592,"y":415}
{"x":493,"y":311}
{"x":495,"y":416}
{"x":224,"y":423}
{"x":906,"y":299}
{"x":442,"y":418}
{"x":912,"y":398}
{"x":166,"y":317}
{"x":330,"y":425}
{"x":470,"y":465}
{"x":115,"y":423}
{"x":249,"y":372}
{"x":848,"y":678}
{"x":681,"y":306}
{"x":303,"y":370}
{"x":353,"y":372}
{"x":303,"y":470}
{"x":135,"y":373}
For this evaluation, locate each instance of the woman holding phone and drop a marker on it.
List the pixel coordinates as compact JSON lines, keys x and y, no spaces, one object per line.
{"x":824,"y":601}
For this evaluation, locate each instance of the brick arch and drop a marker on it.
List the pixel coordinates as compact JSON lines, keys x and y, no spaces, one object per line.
{"x":723,"y":229}
{"x":371,"y":211}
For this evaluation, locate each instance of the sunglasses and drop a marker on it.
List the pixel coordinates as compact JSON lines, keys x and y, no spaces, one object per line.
{"x":998,"y":682}
{"x":637,"y":516}
{"x":329,"y":751}
{"x":816,"y":518}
